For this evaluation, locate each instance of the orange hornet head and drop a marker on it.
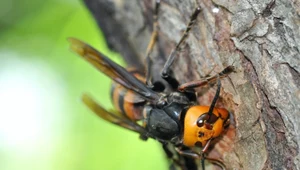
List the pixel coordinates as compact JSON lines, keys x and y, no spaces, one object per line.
{"x":199,"y":132}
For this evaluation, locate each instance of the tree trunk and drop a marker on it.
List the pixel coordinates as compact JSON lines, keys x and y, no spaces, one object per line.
{"x":260,"y":38}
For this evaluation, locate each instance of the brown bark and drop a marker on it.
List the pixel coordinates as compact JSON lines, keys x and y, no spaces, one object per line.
{"x":260,"y":38}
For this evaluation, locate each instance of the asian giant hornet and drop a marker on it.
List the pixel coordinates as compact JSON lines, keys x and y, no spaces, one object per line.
{"x":171,"y":118}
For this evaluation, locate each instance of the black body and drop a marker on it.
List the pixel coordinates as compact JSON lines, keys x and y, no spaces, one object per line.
{"x":166,"y":123}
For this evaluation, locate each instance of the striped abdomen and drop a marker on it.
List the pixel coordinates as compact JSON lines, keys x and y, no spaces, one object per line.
{"x":126,"y":101}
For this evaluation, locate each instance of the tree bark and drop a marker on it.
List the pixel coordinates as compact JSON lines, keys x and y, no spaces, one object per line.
{"x":260,"y":38}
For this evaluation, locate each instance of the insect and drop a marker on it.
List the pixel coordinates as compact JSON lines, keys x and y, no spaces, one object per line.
{"x":169,"y":117}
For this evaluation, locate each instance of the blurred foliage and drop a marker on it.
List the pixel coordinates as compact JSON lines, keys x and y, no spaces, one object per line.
{"x":66,"y":134}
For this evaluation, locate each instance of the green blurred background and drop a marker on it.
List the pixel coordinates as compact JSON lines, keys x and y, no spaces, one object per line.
{"x":43,"y":124}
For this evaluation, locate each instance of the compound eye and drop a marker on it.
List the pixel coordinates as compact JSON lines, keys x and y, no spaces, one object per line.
{"x":202,"y":119}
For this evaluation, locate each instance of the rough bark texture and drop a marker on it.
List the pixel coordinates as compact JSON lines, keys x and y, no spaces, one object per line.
{"x":261,"y":38}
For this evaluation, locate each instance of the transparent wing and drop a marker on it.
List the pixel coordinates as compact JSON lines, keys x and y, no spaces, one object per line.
{"x":112,"y":69}
{"x":111,"y":117}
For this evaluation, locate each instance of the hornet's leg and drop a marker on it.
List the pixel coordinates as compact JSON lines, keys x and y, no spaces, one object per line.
{"x":203,"y":82}
{"x":192,"y":154}
{"x":177,"y":162}
{"x":151,"y":44}
{"x":166,"y":70}
{"x":201,"y":156}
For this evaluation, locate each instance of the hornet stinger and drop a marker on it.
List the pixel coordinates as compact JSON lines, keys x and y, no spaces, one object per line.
{"x":172,"y":118}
